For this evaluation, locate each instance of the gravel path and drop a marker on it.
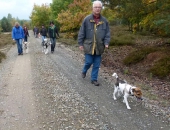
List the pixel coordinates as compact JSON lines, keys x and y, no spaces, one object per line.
{"x":46,"y":92}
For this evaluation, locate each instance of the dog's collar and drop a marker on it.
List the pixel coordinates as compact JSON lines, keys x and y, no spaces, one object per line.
{"x":130,"y":92}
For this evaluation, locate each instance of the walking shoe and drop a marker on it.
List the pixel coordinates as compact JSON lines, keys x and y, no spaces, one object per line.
{"x":83,"y":75}
{"x":95,"y":83}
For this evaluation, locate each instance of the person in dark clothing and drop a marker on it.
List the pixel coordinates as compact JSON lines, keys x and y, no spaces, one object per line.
{"x":26,"y":34}
{"x":34,"y":30}
{"x":52,"y":31}
{"x":43,"y":33}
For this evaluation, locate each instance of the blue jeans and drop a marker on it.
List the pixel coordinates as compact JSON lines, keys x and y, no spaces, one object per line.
{"x":53,"y":42}
{"x":19,"y":45}
{"x":43,"y":37}
{"x":25,"y":38}
{"x":95,"y":60}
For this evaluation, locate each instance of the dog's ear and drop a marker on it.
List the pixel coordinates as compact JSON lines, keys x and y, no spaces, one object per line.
{"x":137,"y":91}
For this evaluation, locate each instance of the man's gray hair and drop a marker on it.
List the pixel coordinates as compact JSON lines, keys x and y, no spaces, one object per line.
{"x":16,"y":24}
{"x":97,"y":2}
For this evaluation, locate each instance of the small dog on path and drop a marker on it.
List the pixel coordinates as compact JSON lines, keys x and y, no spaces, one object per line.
{"x":25,"y":47}
{"x":45,"y":45}
{"x":126,"y":90}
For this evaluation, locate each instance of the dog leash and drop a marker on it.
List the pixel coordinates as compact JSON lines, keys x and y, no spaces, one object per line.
{"x":108,"y":52}
{"x":107,"y":56}
{"x":137,"y":104}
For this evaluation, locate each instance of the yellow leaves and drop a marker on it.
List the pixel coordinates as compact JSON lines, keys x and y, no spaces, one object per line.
{"x":146,"y":22}
{"x":110,"y":14}
{"x":149,"y":1}
{"x":40,"y":15}
{"x":70,"y":20}
{"x":82,"y":5}
{"x":65,"y":18}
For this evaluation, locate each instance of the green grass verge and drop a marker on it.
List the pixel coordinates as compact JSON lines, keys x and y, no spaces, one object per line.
{"x":138,"y":55}
{"x":5,"y":40}
{"x":161,"y":68}
{"x":2,"y":56}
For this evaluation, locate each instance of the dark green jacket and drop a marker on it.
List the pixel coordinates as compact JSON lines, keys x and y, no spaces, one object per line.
{"x":93,"y":37}
{"x":52,"y":31}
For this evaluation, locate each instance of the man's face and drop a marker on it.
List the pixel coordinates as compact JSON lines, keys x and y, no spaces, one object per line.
{"x":16,"y":25}
{"x":97,"y":9}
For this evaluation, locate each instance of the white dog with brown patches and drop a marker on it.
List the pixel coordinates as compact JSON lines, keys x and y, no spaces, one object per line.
{"x":25,"y":47}
{"x":126,"y":90}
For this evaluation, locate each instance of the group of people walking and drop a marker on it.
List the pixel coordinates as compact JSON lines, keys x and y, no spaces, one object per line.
{"x":20,"y":35}
{"x":93,"y":38}
{"x":52,"y":31}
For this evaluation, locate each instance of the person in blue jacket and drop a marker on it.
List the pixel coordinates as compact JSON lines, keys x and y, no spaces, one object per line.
{"x":18,"y":36}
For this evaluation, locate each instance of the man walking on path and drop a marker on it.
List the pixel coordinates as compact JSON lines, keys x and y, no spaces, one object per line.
{"x":18,"y":36}
{"x":43,"y":33}
{"x":93,"y":37}
{"x":52,"y":31}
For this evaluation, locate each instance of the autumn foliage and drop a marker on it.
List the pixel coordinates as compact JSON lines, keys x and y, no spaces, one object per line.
{"x":71,"y":19}
{"x":40,"y":15}
{"x":140,"y":15}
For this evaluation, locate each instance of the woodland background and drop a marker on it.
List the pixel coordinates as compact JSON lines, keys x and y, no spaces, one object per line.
{"x":138,"y":15}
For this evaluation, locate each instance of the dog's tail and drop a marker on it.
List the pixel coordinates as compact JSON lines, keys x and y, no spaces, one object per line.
{"x":117,"y":78}
{"x":115,"y":75}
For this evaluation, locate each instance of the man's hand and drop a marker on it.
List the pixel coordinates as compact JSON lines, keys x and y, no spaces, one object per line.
{"x":81,"y":48}
{"x":107,"y":46}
